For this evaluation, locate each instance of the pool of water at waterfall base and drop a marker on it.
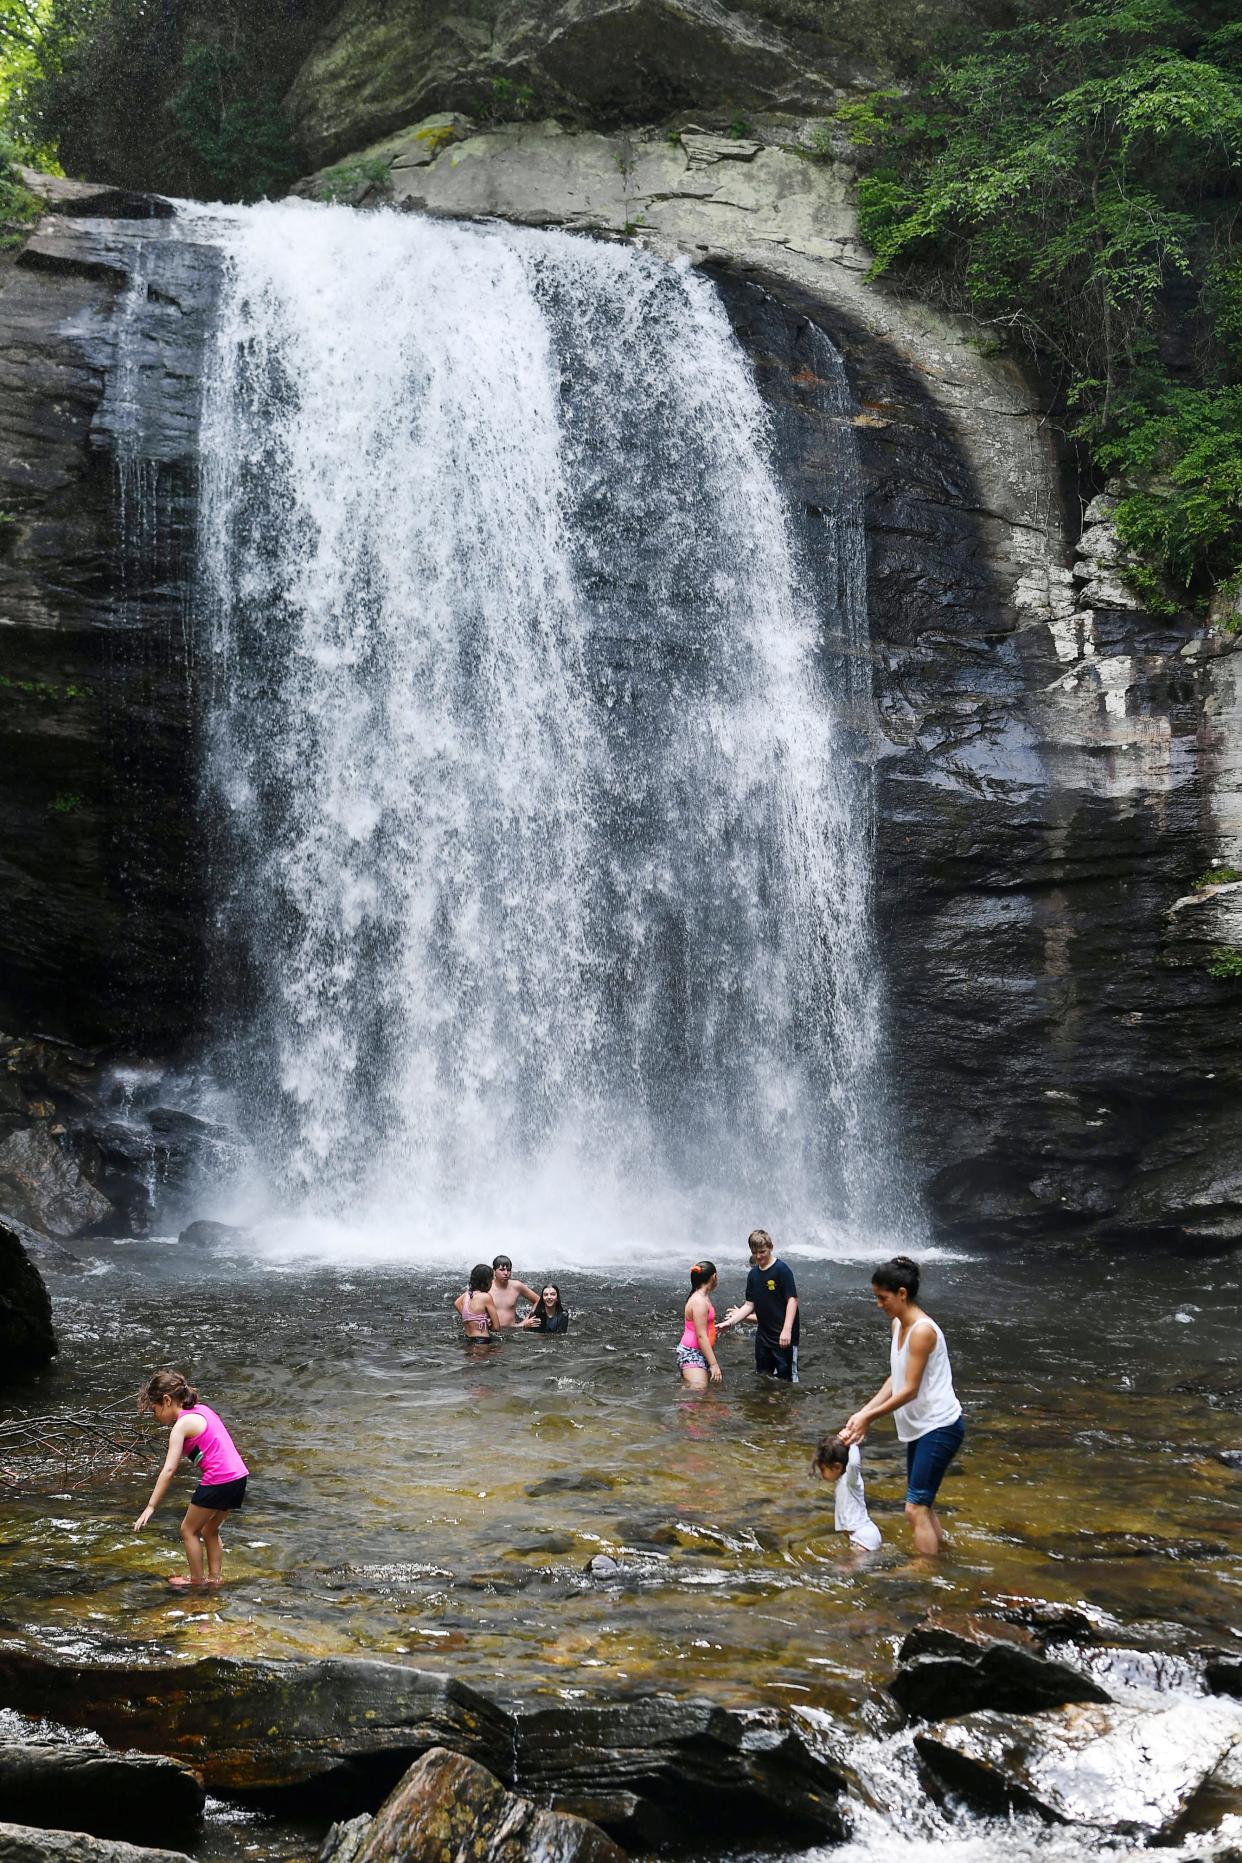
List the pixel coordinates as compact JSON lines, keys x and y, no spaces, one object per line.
{"x":426,"y":1501}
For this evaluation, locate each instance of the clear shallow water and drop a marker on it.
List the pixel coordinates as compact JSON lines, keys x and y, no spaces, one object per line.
{"x":430,"y":1502}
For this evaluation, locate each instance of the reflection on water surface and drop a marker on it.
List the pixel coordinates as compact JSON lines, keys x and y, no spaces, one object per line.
{"x":422,"y":1499}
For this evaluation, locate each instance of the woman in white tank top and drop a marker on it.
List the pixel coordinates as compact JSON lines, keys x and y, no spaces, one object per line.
{"x":919,"y":1392}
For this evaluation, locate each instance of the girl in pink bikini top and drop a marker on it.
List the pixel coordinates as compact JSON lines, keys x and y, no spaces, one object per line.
{"x":696,"y":1357}
{"x":479,"y":1319}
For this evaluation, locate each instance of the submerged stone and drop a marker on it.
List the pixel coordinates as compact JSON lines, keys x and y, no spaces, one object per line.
{"x":1128,"y":1770}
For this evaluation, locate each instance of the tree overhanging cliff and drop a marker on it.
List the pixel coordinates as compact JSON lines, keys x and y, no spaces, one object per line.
{"x":1076,"y":184}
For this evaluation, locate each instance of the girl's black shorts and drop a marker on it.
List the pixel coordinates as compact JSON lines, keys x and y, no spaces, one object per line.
{"x":224,"y":1494}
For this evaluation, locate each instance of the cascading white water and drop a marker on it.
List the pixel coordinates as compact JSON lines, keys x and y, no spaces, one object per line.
{"x":552,"y":872}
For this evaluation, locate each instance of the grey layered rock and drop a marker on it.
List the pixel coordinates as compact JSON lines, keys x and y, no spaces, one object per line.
{"x":248,"y":1726}
{"x":42,"y":1184}
{"x":654,"y":1771}
{"x":448,"y":1808}
{"x":646,"y":1768}
{"x":1127,"y":1770}
{"x":25,"y":1843}
{"x":27,"y":1338}
{"x":132,"y":1796}
{"x":1002,"y":1675}
{"x":617,"y":61}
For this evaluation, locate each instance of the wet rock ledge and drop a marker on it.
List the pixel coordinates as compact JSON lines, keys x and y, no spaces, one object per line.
{"x":650,"y":1771}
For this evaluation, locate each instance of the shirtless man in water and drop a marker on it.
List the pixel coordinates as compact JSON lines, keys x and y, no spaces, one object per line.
{"x":506,"y":1292}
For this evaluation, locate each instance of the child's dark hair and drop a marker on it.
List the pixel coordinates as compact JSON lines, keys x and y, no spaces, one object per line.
{"x":832,"y":1452}
{"x":898,"y":1273}
{"x":481,"y":1278}
{"x":701,"y":1274}
{"x":167,"y":1384}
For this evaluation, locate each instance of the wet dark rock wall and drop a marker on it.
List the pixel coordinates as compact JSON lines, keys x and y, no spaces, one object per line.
{"x":1063,"y":1061}
{"x":101,"y":933}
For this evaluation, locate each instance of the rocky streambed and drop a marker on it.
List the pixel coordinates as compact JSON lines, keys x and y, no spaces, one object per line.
{"x":631,"y":1605}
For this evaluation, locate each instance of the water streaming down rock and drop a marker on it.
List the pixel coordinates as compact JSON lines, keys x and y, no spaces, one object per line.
{"x":552,"y":868}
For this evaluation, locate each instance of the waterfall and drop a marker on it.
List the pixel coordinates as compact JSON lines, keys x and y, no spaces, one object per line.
{"x":548,"y":871}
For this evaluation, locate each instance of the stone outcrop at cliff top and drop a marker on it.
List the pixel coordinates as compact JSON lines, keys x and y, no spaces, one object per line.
{"x":377,"y":66}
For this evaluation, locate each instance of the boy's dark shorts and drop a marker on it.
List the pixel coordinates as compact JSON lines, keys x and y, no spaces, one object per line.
{"x":776,"y":1361}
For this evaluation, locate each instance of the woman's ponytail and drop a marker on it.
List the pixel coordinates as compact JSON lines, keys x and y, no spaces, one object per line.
{"x":701,"y":1274}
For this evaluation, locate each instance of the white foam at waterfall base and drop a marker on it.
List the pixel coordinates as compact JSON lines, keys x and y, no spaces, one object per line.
{"x":543,"y":873}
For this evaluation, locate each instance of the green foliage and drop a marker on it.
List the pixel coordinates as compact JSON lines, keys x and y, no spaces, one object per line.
{"x":42,"y":690}
{"x":739,"y":129}
{"x":19,"y":209}
{"x":509,"y":102}
{"x":1225,"y":963}
{"x":1075,"y":183}
{"x":349,"y":182}
{"x":67,"y":804}
{"x":241,"y":139}
{"x":175,"y":95}
{"x":1215,"y":876}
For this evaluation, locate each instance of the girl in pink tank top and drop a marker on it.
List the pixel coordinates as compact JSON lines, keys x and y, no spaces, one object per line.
{"x":194,"y":1430}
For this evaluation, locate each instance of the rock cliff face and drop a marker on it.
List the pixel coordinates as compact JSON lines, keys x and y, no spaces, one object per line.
{"x":381,"y":63}
{"x":1054,"y":769}
{"x":102,"y":921}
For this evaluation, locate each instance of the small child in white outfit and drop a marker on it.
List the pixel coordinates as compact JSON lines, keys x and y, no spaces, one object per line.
{"x":838,"y":1461}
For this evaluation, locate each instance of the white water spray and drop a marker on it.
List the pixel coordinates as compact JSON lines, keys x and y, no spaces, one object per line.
{"x":552,"y":873}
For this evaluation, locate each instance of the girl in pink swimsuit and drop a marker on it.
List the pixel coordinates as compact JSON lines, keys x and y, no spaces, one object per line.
{"x":196,"y":1431}
{"x":696,"y":1355}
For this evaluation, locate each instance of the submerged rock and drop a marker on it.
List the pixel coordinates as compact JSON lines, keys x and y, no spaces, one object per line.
{"x":27,"y":1338}
{"x":1127,"y":1770}
{"x":205,"y":1233}
{"x":132,"y":1796}
{"x":448,"y":1807}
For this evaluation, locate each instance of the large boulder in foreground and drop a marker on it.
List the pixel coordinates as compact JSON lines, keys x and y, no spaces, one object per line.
{"x":27,"y":1339}
{"x":1128,"y":1770}
{"x":26,"y":1843}
{"x":447,"y":1809}
{"x":133,"y":1796}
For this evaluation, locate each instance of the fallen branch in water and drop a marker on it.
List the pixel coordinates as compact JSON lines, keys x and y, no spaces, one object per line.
{"x":77,"y":1447}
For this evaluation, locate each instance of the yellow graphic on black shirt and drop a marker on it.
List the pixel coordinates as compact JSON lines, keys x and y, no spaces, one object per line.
{"x":771,"y":1287}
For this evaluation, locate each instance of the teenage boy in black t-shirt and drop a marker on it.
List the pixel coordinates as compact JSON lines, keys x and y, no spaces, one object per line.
{"x":772,"y":1301}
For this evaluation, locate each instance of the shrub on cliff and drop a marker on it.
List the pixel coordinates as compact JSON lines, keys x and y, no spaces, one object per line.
{"x":1075,"y":183}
